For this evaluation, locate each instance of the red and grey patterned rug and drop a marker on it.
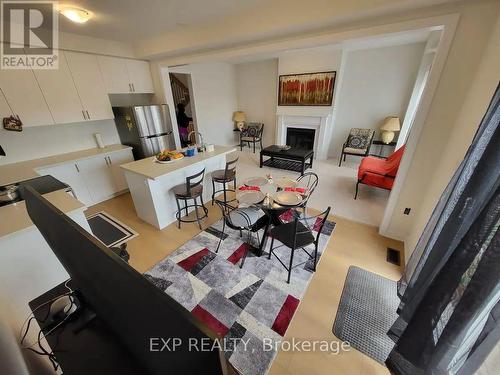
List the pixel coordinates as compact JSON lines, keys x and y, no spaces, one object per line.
{"x":245,"y":306}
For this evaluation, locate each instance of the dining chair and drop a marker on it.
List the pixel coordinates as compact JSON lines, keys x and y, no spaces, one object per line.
{"x":224,"y":176}
{"x":298,"y":234}
{"x":250,"y":219}
{"x":309,"y":181}
{"x":191,"y":190}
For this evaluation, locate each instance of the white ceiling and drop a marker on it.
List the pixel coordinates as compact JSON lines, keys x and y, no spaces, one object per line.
{"x":134,"y":20}
{"x":174,"y":27}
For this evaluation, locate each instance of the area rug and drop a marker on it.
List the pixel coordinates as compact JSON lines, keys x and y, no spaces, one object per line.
{"x":109,"y":230}
{"x":252,"y":304}
{"x":367,"y":310}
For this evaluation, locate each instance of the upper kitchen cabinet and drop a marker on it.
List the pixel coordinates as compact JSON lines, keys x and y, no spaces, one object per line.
{"x":89,"y":83}
{"x":140,"y":76}
{"x":115,"y":75}
{"x":125,"y":76}
{"x":24,"y":97}
{"x":60,"y":93}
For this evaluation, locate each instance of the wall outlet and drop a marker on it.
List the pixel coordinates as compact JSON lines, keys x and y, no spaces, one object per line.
{"x":407,"y":211}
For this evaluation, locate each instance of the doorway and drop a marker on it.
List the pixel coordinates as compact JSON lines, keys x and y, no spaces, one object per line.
{"x":182,"y":93}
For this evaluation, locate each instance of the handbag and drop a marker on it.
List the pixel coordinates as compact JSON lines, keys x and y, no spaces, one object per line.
{"x":12,"y":123}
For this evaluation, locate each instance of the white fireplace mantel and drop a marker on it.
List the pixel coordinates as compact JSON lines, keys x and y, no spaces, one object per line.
{"x":317,"y":118}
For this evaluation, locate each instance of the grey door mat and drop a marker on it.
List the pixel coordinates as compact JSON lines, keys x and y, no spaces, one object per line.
{"x":367,"y":310}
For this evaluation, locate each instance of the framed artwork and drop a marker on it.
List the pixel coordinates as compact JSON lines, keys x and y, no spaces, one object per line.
{"x":306,"y":89}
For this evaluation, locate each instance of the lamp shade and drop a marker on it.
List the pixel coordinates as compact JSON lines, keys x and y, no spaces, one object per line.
{"x":239,"y":116}
{"x":391,"y":124}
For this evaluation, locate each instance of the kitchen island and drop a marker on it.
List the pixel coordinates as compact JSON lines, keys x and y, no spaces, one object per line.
{"x":151,"y":183}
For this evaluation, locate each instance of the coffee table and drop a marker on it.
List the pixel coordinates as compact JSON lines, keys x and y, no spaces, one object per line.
{"x":294,"y":159}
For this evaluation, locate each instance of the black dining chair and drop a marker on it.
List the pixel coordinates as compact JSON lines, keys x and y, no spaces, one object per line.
{"x":191,"y":190}
{"x":298,"y":234}
{"x":309,"y":181}
{"x":224,"y":176}
{"x":250,"y":219}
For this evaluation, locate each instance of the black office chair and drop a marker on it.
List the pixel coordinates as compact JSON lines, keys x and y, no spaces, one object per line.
{"x":224,"y":176}
{"x":192,"y":189}
{"x":250,"y":219}
{"x":298,"y":234}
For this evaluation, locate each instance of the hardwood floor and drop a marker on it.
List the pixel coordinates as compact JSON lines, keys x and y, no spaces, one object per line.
{"x":352,"y":243}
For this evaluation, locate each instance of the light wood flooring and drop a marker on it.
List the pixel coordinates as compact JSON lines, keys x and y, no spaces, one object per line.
{"x":352,"y":243}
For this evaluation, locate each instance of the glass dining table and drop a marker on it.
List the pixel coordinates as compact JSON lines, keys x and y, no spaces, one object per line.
{"x":273,"y":196}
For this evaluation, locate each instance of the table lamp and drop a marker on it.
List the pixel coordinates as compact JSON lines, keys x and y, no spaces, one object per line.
{"x":239,"y":119}
{"x":389,"y":126}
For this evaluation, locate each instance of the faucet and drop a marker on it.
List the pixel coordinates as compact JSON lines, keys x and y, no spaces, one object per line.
{"x":201,"y":138}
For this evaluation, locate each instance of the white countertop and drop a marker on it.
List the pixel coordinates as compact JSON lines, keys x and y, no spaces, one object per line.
{"x":24,"y":170}
{"x":14,"y":217}
{"x":151,"y":169}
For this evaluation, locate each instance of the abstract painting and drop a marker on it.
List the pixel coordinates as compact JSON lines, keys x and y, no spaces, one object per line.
{"x":306,"y":89}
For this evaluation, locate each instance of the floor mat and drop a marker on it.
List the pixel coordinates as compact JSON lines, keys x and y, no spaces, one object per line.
{"x":367,"y":310}
{"x":109,"y":230}
{"x":253,"y":303}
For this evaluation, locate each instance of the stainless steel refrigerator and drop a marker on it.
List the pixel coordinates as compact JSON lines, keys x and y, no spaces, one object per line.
{"x":146,"y":128}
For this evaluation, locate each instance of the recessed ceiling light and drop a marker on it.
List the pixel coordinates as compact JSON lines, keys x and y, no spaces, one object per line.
{"x":76,"y":14}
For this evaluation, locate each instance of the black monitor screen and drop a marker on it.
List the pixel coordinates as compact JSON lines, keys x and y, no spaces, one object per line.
{"x":132,"y":307}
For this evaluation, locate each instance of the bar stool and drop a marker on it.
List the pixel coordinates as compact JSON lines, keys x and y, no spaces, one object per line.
{"x":224,"y":176}
{"x":193,"y":189}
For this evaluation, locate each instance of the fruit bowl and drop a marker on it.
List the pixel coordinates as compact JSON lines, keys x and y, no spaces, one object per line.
{"x":167,"y":156}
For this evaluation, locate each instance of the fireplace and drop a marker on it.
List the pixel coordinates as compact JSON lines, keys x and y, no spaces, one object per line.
{"x":301,"y":138}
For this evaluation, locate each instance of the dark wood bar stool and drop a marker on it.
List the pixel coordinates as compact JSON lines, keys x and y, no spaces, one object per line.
{"x":193,"y":189}
{"x":224,"y":176}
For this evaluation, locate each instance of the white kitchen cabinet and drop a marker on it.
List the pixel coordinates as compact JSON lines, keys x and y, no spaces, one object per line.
{"x":98,"y":174}
{"x":139,"y":75}
{"x":116,"y":159}
{"x":115,"y":74}
{"x":93,"y":179}
{"x":60,"y":93}
{"x":89,"y":83}
{"x":71,"y":174}
{"x":24,"y":96}
{"x":125,"y":76}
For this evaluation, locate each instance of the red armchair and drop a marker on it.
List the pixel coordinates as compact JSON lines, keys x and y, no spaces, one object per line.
{"x":379,"y":172}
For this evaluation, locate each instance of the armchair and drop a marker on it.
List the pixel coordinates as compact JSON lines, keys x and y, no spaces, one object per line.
{"x":379,"y":172}
{"x":358,"y":143}
{"x":252,"y":133}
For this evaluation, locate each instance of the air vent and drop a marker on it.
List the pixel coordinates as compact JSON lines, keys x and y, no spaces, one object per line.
{"x":393,"y":256}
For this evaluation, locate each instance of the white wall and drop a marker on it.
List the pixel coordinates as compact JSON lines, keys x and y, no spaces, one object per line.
{"x":376,"y":83}
{"x":256,"y":86}
{"x":214,"y":98}
{"x":49,"y":140}
{"x":479,"y":95}
{"x":440,"y":123}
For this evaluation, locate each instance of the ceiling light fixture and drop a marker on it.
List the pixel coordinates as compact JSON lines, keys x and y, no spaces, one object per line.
{"x":75,"y":14}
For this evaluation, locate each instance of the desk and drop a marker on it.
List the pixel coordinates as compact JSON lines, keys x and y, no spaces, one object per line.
{"x":93,"y":350}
